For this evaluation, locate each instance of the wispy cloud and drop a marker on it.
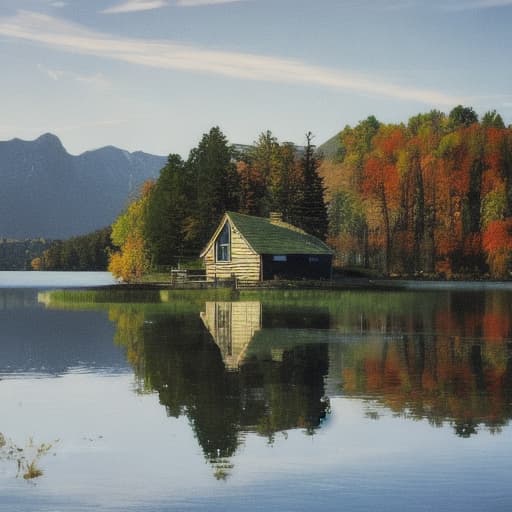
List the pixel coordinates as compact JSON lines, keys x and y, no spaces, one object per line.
{"x":70,"y":37}
{"x":196,"y":3}
{"x":462,"y":5}
{"x":97,"y":80}
{"x":59,"y":4}
{"x":135,"y":6}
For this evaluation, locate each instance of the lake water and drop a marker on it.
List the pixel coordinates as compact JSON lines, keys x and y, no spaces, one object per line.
{"x":54,"y":279}
{"x":289,"y":401}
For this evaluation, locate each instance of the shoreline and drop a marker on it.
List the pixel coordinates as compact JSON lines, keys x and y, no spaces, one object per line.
{"x":377,"y":284}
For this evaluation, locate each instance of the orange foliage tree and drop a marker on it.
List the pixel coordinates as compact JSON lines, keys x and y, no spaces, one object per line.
{"x":381,"y":182}
{"x":497,"y":242}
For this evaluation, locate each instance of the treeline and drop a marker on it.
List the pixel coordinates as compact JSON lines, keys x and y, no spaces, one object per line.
{"x":17,"y":254}
{"x":174,"y":217}
{"x":433,"y":196}
{"x":87,"y":252}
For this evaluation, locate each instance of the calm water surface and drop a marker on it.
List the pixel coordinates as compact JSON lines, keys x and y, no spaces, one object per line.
{"x":24,"y":279}
{"x":275,"y":401}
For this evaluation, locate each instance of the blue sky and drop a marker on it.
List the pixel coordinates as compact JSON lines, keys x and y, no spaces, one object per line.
{"x":156,"y":74}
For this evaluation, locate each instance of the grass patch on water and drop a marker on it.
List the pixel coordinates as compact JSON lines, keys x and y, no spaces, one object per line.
{"x":150,"y":299}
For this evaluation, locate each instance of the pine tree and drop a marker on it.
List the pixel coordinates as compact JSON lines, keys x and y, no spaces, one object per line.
{"x":168,"y":209}
{"x":214,"y":171}
{"x":311,"y":213}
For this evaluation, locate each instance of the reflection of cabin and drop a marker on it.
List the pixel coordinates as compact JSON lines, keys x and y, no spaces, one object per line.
{"x":232,"y":326}
{"x":255,"y":249}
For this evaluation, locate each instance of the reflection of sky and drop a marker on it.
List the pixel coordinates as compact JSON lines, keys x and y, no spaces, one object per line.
{"x":39,"y":341}
{"x":119,"y":451}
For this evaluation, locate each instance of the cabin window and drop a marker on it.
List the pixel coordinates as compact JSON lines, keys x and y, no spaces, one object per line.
{"x":223,"y":244}
{"x":314,"y":259}
{"x":279,"y":258}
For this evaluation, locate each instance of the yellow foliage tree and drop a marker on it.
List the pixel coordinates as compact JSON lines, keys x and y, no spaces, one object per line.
{"x":132,"y":260}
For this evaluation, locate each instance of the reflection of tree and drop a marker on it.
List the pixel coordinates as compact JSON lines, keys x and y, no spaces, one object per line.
{"x":293,"y":389}
{"x":440,"y":378}
{"x":444,"y":356}
{"x":173,"y":354}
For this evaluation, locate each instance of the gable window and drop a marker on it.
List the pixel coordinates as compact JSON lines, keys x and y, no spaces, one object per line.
{"x":223,"y":244}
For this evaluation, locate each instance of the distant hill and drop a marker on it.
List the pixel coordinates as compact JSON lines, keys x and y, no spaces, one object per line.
{"x":46,"y":192}
{"x":331,"y":149}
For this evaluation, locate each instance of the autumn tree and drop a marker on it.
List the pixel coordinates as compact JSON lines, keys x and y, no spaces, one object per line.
{"x":132,"y":259}
{"x":346,"y":222}
{"x":381,"y":184}
{"x":252,"y":188}
{"x":497,"y":242}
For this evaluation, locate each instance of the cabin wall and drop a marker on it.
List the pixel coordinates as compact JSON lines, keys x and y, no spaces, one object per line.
{"x":245,"y":264}
{"x":297,"y":266}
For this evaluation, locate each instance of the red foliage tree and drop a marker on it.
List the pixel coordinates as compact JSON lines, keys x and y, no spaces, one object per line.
{"x":497,"y":243}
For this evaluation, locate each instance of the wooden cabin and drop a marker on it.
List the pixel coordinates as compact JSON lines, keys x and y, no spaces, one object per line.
{"x":257,"y":249}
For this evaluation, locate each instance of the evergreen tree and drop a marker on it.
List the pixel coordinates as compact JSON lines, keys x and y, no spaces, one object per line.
{"x":168,"y":208}
{"x":213,"y":168}
{"x":492,"y":119}
{"x":311,"y":214}
{"x":462,"y":116}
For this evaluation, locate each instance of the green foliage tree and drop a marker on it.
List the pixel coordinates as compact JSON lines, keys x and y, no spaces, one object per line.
{"x":265,"y":159}
{"x":213,"y":168}
{"x":270,"y":178}
{"x":87,"y":252}
{"x":492,"y":119}
{"x":311,"y":213}
{"x":462,"y":116}
{"x":168,"y":209}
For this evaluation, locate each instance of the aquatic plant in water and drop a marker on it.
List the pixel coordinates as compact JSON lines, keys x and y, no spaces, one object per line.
{"x":27,"y":458}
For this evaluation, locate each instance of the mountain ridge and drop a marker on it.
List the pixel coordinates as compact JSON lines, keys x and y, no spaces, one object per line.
{"x":47,"y":192}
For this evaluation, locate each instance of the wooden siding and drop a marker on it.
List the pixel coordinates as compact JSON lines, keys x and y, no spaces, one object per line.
{"x":244,"y":264}
{"x":232,"y":326}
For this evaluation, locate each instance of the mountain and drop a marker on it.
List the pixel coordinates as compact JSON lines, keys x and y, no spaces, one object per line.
{"x":46,"y":192}
{"x":332,"y":148}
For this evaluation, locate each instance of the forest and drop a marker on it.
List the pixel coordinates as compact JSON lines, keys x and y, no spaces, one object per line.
{"x":433,"y":196}
{"x":86,"y":252}
{"x":18,"y":254}
{"x":174,"y":217}
{"x":428,"y":198}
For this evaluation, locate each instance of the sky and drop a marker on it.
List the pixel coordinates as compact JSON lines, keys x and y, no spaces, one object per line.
{"x":154,"y":75}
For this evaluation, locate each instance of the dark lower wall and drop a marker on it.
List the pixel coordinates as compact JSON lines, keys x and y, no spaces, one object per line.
{"x":297,"y":266}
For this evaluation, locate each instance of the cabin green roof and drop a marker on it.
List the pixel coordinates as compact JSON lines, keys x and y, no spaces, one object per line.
{"x":267,"y":237}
